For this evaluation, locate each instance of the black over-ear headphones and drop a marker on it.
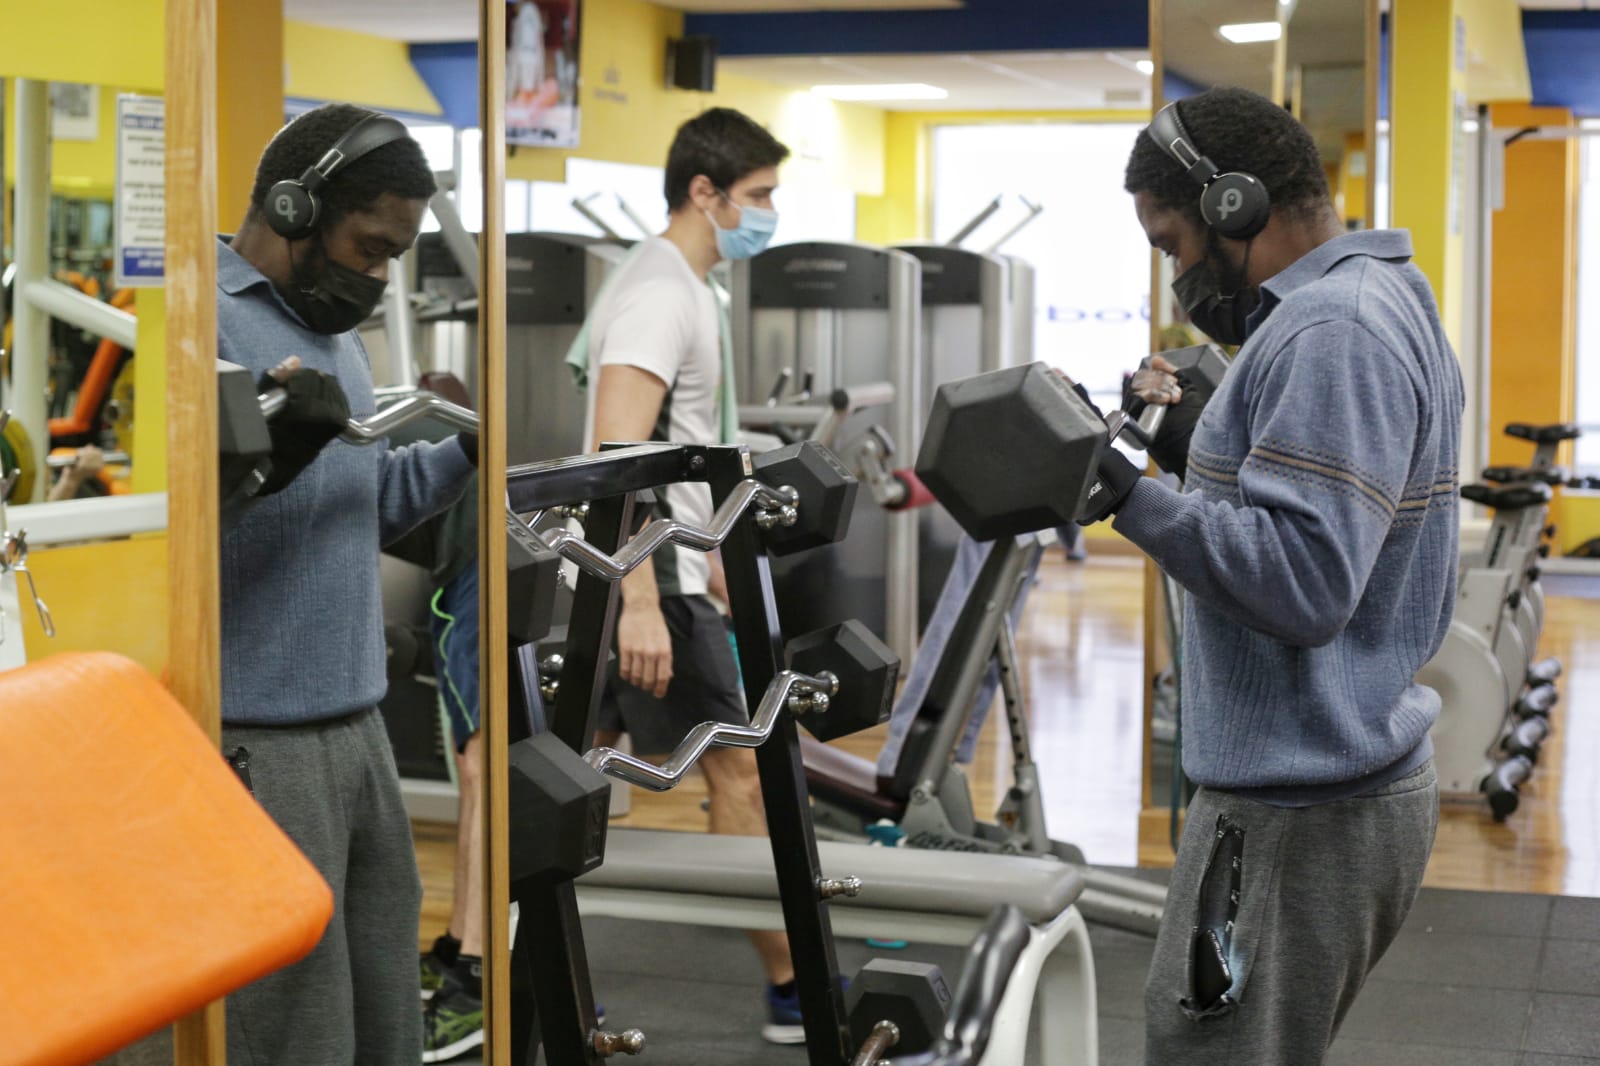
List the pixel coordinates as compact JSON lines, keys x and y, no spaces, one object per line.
{"x":1234,"y":204}
{"x":293,"y":207}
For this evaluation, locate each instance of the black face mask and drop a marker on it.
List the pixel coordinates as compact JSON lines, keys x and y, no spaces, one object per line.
{"x":1220,"y":316}
{"x":329,"y":297}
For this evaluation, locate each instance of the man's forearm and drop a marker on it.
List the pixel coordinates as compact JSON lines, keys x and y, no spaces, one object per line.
{"x":639,"y":587}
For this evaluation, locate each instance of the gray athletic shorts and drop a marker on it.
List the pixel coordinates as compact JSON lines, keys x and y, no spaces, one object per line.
{"x":705,"y":684}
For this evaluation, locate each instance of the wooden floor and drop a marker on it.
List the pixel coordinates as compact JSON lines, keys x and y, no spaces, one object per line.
{"x":1084,"y":673}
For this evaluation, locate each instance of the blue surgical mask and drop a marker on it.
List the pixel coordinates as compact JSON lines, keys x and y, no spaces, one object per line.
{"x":750,"y":236}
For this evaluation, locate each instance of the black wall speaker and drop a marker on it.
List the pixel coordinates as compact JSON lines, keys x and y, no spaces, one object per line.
{"x":692,"y":64}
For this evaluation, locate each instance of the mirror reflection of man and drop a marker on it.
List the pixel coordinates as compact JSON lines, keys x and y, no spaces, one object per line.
{"x":1317,"y":541}
{"x":302,"y":626}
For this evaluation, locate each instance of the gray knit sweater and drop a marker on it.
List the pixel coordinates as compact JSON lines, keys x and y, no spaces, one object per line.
{"x":302,"y":622}
{"x":1318,"y":533}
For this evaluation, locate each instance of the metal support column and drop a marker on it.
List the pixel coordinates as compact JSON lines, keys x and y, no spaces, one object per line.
{"x":30,"y":354}
{"x":783,"y":784}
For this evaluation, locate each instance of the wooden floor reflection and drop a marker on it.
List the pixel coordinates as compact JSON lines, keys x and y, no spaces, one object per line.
{"x":1084,"y":675}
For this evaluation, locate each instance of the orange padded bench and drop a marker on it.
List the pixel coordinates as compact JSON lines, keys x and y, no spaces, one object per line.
{"x":135,"y":862}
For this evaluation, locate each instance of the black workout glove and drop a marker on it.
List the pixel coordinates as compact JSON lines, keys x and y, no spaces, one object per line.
{"x":316,"y":412}
{"x":1115,"y":481}
{"x":1116,"y":476}
{"x":1170,"y":449}
{"x":469,"y":444}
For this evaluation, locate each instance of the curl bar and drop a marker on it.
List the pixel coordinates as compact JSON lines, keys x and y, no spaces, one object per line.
{"x":798,"y":693}
{"x":375,"y":427}
{"x":776,"y":507}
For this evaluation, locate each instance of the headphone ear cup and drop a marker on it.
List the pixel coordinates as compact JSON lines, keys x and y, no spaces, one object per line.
{"x":291,"y":210}
{"x":1235,"y":205}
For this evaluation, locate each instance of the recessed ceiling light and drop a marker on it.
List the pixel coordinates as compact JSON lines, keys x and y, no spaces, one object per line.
{"x":908,"y":91}
{"x":1145,"y":67}
{"x":1251,"y":32}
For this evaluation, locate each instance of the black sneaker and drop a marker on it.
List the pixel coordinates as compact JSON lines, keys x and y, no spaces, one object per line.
{"x":433,"y":972}
{"x":452,"y":1024}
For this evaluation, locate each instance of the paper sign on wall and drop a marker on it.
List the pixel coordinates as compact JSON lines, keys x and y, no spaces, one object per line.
{"x":141,"y":197}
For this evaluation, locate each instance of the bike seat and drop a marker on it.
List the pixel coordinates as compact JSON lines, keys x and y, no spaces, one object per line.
{"x":1550,"y":434}
{"x":1550,"y":475}
{"x":1508,"y":497}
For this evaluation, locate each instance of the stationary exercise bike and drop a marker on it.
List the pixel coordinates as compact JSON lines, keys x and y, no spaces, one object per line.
{"x":1496,"y":700}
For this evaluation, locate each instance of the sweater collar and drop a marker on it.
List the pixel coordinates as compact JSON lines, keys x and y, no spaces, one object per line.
{"x":1390,"y":244}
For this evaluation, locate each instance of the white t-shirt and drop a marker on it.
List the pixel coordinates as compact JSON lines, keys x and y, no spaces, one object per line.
{"x":658,"y":316}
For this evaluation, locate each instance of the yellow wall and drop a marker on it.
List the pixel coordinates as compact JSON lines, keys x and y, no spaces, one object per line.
{"x":103,"y":42}
{"x":1426,"y":84}
{"x":355,"y":68}
{"x":629,"y":116}
{"x":110,"y":596}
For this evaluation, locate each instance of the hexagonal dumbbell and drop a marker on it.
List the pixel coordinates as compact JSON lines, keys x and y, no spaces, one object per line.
{"x":1011,"y":451}
{"x":243,"y":443}
{"x":533,"y":573}
{"x":866,"y":670}
{"x":913,"y":996}
{"x":559,"y":806}
{"x":827,"y":496}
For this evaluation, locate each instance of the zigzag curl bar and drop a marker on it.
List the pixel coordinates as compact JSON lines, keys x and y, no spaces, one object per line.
{"x":775,"y":507}
{"x":797,"y":692}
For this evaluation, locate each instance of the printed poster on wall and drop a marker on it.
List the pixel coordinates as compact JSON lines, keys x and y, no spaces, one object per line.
{"x":542,"y":72}
{"x":140,"y":211}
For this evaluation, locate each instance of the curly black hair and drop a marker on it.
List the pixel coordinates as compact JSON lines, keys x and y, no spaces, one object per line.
{"x":724,"y":145}
{"x":1238,"y":130}
{"x":399,"y":167}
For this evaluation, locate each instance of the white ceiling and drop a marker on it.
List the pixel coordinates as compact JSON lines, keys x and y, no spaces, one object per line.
{"x":457,"y":20}
{"x":998,"y":81}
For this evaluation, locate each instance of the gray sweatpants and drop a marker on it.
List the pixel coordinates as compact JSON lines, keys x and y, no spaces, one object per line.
{"x":1300,"y":902}
{"x":333,"y":788}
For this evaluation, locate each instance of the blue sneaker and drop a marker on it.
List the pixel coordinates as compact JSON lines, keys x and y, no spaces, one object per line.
{"x":784,"y":1025}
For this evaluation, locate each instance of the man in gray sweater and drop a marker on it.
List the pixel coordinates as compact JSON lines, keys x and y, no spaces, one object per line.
{"x":1317,"y":539}
{"x":302,"y":627}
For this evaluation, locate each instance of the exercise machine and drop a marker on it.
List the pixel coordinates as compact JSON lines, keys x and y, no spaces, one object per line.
{"x":1497,"y":701}
{"x":840,"y":315}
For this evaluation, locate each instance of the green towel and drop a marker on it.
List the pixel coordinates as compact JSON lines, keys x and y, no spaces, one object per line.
{"x":577,"y":358}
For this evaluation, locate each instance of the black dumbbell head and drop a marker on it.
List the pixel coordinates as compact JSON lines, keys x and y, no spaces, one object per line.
{"x":866,"y":669}
{"x":1206,"y":363}
{"x":912,"y":995}
{"x":1011,"y":451}
{"x":242,"y":436}
{"x":827,"y":495}
{"x":559,"y":806}
{"x":532,"y":575}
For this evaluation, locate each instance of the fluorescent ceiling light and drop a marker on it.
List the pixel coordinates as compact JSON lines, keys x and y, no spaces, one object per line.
{"x":1251,"y":32}
{"x":910,"y":91}
{"x":1145,"y":67}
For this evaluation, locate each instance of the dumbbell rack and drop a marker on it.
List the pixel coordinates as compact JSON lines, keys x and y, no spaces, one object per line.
{"x":549,"y":963}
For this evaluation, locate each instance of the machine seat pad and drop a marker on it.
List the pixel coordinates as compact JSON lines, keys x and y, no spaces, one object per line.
{"x":1508,"y":497}
{"x":148,"y":879}
{"x":902,"y":879}
{"x":1551,"y":434}
{"x":847,"y":780}
{"x":1506,"y":475}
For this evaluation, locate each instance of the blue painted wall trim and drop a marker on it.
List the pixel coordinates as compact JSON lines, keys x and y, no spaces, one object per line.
{"x":1564,"y":59}
{"x":980,"y":26}
{"x":450,"y":71}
